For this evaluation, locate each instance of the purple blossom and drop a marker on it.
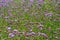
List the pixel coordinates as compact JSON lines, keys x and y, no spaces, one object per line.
{"x":58,"y":28}
{"x":6,"y":17}
{"x":43,"y":34}
{"x":30,"y":30}
{"x":30,"y":3}
{"x":31,"y":0}
{"x":57,"y":14}
{"x":39,"y":33}
{"x":3,"y":1}
{"x":49,"y":28}
{"x":15,"y":31}
{"x":9,"y":13}
{"x":11,"y":35}
{"x":22,"y":1}
{"x":58,"y":2}
{"x":40,"y":26}
{"x":8,"y":28}
{"x":28,"y":34}
{"x":40,"y":0}
{"x":33,"y":33}
{"x":48,"y":14}
{"x":1,"y":4}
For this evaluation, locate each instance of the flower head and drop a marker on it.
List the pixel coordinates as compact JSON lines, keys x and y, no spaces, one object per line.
{"x":31,"y":0}
{"x":15,"y":31}
{"x":11,"y":35}
{"x":8,"y":28}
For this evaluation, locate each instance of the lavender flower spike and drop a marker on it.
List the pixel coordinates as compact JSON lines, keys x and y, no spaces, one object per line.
{"x":31,"y":0}
{"x":11,"y":35}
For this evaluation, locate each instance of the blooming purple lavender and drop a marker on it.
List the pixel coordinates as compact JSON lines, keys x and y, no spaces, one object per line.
{"x":39,"y":33}
{"x":58,"y":28}
{"x":31,"y":0}
{"x":49,"y":28}
{"x":40,"y":26}
{"x":2,"y":1}
{"x":11,"y":35}
{"x":29,"y":19}
{"x":8,"y":28}
{"x":45,"y":35}
{"x":1,"y":4}
{"x":49,"y":14}
{"x":33,"y":33}
{"x":5,"y":2}
{"x":15,"y":31}
{"x":39,"y":1}
{"x":30,"y":3}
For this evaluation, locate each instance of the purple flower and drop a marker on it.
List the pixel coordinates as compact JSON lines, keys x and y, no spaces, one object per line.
{"x":40,"y":1}
{"x":23,"y":1}
{"x":49,"y":28}
{"x":11,"y":35}
{"x":32,"y":33}
{"x":3,"y":1}
{"x":6,"y":17}
{"x":15,"y":31}
{"x":43,"y":34}
{"x":1,"y":4}
{"x":31,"y":0}
{"x":40,"y":26}
{"x":39,"y":33}
{"x":8,"y":28}
{"x":28,"y":34}
{"x":58,"y":28}
{"x":48,"y":14}
{"x":30,"y":3}
{"x":30,"y":30}
{"x":9,"y":12}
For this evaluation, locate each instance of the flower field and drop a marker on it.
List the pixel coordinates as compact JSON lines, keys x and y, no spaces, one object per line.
{"x":29,"y":19}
